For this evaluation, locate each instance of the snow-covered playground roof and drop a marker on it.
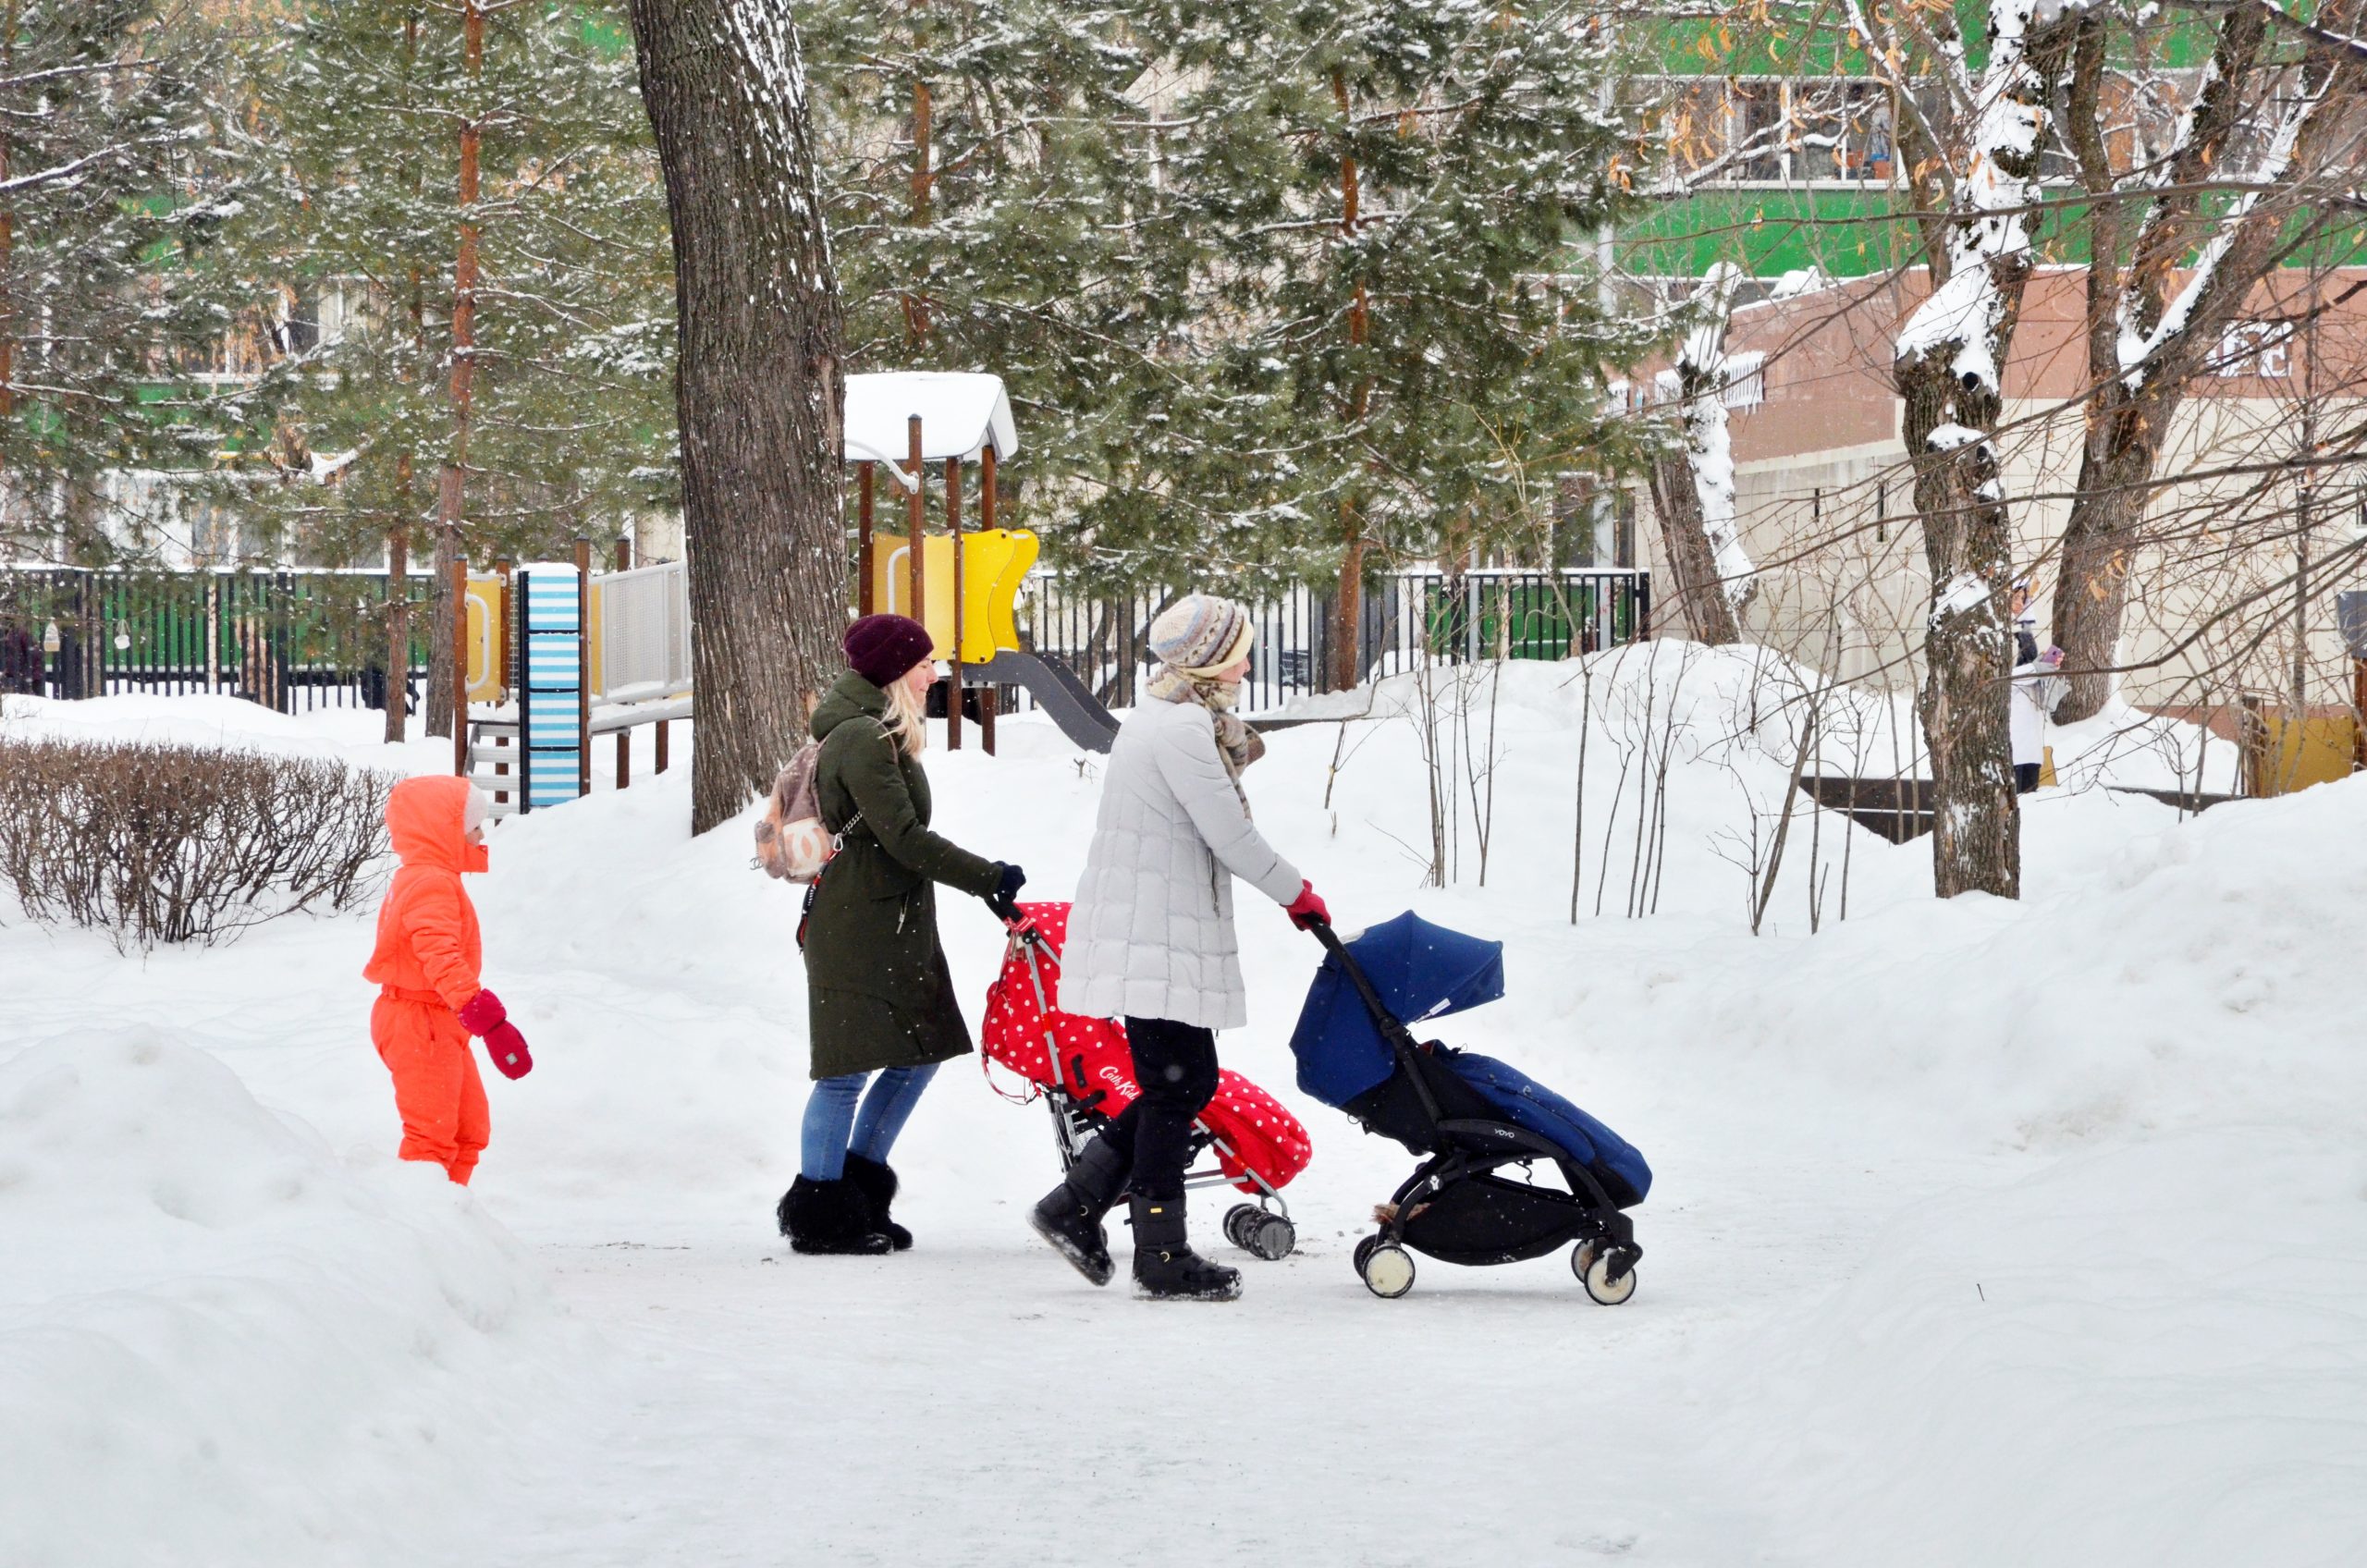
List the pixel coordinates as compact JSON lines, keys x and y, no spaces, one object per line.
{"x":963,"y":413}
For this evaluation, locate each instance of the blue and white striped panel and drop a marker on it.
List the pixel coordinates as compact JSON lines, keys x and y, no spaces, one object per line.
{"x":550,"y":602}
{"x":554,"y":678}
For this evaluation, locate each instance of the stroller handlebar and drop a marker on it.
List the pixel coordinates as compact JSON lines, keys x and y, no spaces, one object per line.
{"x":1391,"y":1027}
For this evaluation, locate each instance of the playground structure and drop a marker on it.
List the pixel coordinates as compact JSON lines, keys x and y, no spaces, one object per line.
{"x":554,"y":655}
{"x":964,"y":582}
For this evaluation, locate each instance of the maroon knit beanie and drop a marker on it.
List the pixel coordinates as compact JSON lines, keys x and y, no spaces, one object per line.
{"x":881,"y":648}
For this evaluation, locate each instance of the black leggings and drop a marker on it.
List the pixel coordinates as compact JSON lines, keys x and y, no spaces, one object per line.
{"x":1175,"y":1067}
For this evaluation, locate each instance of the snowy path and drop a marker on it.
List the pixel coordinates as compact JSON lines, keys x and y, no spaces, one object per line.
{"x":862,"y":1411}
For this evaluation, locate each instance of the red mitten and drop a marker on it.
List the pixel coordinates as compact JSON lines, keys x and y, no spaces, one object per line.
{"x":1306,"y":911}
{"x":483,"y":1015}
{"x":507,"y":1048}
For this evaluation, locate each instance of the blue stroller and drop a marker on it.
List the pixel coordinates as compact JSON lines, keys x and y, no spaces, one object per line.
{"x":1474,"y":1117}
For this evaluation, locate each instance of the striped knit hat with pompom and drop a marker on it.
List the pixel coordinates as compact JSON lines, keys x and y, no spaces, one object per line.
{"x":1201,"y":634}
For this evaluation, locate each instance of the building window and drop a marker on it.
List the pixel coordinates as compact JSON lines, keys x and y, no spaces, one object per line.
{"x":2256,"y":348}
{"x":1771,"y":130}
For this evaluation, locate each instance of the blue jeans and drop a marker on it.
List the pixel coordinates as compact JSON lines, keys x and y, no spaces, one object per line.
{"x":834,"y":1127}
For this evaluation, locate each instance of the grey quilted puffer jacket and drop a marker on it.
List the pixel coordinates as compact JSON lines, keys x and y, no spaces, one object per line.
{"x":1151,"y":934}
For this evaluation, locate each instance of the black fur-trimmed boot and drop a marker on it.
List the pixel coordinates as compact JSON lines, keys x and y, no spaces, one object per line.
{"x":830,"y":1217}
{"x":1166,"y":1268}
{"x":1070,"y":1214}
{"x":877,"y":1182}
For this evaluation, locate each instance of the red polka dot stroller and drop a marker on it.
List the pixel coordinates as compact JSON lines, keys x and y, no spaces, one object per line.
{"x":1084,"y":1072}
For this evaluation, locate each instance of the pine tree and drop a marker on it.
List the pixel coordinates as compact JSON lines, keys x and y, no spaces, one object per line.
{"x":112,"y":187}
{"x":1286,"y":288}
{"x":567,"y":428}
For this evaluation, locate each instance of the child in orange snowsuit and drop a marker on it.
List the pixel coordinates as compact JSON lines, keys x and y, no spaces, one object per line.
{"x":426,"y":963}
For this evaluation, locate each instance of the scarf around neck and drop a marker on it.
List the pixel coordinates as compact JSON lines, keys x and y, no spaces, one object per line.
{"x":1237,"y":744}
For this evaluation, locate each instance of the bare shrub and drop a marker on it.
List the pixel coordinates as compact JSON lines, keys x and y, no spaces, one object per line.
{"x":158,"y":843}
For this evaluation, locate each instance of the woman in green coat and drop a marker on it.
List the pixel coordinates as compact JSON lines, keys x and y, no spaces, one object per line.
{"x":879,"y":997}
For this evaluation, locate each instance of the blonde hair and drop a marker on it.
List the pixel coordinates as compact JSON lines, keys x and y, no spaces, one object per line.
{"x":907,"y":722}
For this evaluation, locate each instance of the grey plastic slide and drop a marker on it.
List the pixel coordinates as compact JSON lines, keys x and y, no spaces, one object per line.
{"x":1069,"y":702}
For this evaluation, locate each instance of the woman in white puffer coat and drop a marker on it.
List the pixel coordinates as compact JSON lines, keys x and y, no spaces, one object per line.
{"x":1151,"y":940}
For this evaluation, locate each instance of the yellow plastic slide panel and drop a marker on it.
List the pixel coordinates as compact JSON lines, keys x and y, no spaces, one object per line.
{"x":999,"y":564}
{"x":994,"y":563}
{"x":484,"y":609}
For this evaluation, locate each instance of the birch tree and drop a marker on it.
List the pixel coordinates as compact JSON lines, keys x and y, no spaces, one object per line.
{"x":1693,"y":487}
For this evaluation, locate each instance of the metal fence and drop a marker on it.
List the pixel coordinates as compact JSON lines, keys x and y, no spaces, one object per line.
{"x":1405,"y":619}
{"x":316,"y":639}
{"x":283,"y":639}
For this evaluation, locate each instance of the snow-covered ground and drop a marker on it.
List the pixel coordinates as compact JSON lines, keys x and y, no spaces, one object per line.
{"x":1983,"y":1232}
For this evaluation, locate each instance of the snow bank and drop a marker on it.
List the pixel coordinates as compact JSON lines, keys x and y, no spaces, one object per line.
{"x":348,"y":734}
{"x":219,"y":1344}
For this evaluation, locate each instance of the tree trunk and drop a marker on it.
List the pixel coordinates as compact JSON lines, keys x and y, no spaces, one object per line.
{"x":443,"y":680}
{"x":1976,"y":837}
{"x":1348,"y":617}
{"x":2099,"y":547}
{"x":756,"y":383}
{"x":397,"y":629}
{"x":1700,"y":599}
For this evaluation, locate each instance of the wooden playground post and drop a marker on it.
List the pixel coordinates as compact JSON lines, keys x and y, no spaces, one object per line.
{"x":953,"y":681}
{"x":915,"y":520}
{"x":458,"y":589}
{"x":582,"y":666}
{"x":2359,"y":716}
{"x":862,"y":594}
{"x":624,"y":736}
{"x":987,"y":520}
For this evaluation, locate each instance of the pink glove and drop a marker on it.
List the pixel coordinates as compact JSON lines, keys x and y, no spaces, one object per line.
{"x":1306,"y":911}
{"x":486,"y":1017}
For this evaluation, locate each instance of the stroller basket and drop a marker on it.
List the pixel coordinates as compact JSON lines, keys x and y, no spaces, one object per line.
{"x":1083,"y":1070}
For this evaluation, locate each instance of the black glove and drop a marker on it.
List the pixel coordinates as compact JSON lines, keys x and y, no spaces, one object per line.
{"x":1003,"y":901}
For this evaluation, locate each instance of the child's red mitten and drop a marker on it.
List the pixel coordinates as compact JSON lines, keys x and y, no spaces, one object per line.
{"x":486,"y":1017}
{"x":507,"y":1048}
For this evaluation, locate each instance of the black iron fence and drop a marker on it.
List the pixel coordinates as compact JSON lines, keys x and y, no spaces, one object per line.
{"x":1404,"y":621}
{"x":283,"y":639}
{"x":316,"y":639}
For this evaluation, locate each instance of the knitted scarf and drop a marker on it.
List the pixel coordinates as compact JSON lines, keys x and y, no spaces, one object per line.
{"x":1237,"y":744}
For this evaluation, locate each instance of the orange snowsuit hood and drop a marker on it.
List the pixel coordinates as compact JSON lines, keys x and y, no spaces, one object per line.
{"x":427,"y":929}
{"x":427,"y":821}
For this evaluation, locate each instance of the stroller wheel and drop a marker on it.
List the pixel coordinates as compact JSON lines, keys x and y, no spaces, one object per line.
{"x":1273,"y":1237}
{"x":1387,"y":1271}
{"x":1364,"y":1250}
{"x":1595,"y":1265}
{"x":1239,"y":1222}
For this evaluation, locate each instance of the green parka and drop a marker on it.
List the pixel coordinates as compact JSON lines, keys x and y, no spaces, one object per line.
{"x":877,"y":991}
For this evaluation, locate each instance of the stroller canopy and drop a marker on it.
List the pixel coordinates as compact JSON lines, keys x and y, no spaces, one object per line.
{"x":1420,"y":970}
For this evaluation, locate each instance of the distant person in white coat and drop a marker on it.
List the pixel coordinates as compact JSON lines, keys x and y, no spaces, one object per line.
{"x":1151,"y":941}
{"x":2036,"y":691}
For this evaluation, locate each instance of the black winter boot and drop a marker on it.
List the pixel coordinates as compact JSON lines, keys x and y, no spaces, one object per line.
{"x":1166,"y":1268}
{"x":1070,"y":1214}
{"x":830,"y":1217}
{"x":876,"y":1182}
